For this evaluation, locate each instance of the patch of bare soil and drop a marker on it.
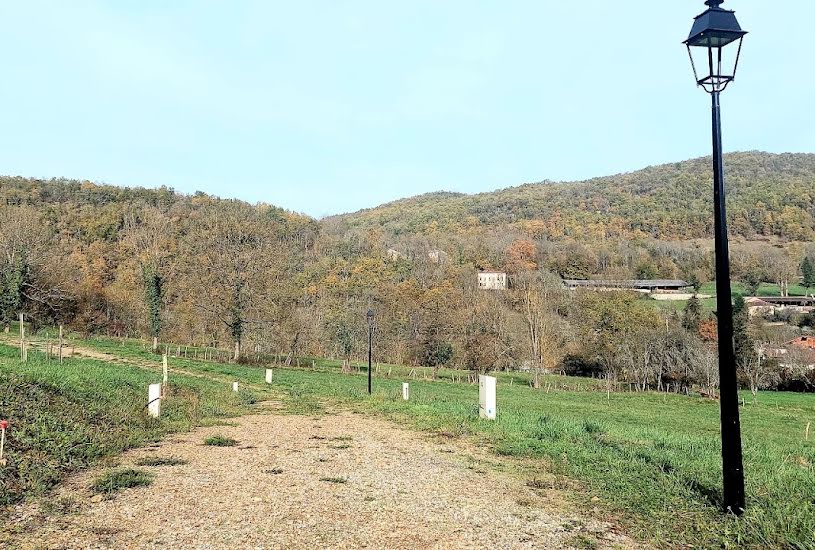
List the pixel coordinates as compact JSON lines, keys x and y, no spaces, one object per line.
{"x":336,"y":481}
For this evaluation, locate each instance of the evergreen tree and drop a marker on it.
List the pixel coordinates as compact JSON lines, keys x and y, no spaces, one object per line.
{"x":808,"y":270}
{"x":692,"y":316}
{"x":13,"y":278}
{"x":744,"y":344}
{"x":153,"y":296}
{"x":693,"y":280}
{"x":752,"y":281}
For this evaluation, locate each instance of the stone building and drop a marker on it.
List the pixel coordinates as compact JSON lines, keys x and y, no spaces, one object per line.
{"x":492,"y":280}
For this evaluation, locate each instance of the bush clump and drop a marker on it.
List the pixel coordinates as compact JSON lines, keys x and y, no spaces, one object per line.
{"x":116,"y":480}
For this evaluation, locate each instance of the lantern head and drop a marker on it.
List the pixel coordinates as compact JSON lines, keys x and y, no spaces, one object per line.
{"x":715,"y":29}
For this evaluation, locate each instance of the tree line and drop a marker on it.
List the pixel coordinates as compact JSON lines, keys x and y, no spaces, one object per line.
{"x":199,"y":270}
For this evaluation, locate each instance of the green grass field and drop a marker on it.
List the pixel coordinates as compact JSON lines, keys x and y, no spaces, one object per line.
{"x":709,"y":304}
{"x":653,"y":460}
{"x":765,"y":289}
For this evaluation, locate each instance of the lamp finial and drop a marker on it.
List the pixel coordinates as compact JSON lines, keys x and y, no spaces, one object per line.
{"x":714,"y":3}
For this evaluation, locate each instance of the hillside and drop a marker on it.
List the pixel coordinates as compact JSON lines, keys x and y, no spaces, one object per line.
{"x":223,"y":273}
{"x":769,"y":195}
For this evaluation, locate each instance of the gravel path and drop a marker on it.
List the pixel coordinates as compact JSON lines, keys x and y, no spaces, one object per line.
{"x":335,"y":481}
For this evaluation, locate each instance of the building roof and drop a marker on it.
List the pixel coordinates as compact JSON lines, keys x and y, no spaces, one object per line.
{"x":788,"y":300}
{"x":630,"y":283}
{"x":804,"y":342}
{"x":757,"y":302}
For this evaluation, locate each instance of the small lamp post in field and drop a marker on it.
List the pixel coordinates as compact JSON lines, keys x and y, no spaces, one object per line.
{"x":714,"y":47}
{"x":370,"y":317}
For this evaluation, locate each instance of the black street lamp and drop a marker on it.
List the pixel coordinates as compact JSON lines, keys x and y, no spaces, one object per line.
{"x":370,"y":346}
{"x":712,"y":31}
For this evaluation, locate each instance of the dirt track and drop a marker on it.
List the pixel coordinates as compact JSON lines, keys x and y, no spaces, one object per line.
{"x":282,"y":487}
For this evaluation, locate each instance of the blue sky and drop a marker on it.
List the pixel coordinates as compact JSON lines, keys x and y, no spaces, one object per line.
{"x":331,"y":106}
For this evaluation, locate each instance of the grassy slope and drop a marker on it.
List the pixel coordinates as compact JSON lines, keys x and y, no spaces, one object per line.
{"x":64,"y":418}
{"x":653,"y":460}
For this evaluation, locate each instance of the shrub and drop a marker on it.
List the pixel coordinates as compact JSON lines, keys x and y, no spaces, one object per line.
{"x":220,"y":441}
{"x":116,"y":480}
{"x":160,"y":461}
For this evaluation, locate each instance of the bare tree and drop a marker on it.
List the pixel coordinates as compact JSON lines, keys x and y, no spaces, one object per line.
{"x":235,"y":253}
{"x":538,"y":295}
{"x":755,"y":368}
{"x":26,"y":278}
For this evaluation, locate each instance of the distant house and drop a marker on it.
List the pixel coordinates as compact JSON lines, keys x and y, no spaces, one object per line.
{"x":492,"y":280}
{"x":757,"y":306}
{"x":795,"y":301}
{"x":437,"y":256}
{"x":639,"y":285}
{"x":394,"y":255}
{"x":771,"y":305}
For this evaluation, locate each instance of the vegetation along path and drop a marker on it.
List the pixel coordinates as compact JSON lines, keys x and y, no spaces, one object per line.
{"x":338,"y":480}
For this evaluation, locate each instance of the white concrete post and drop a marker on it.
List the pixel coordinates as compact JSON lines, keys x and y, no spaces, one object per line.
{"x":234,"y":386}
{"x":405,"y":391}
{"x":269,"y":373}
{"x":154,"y":400}
{"x":486,"y":397}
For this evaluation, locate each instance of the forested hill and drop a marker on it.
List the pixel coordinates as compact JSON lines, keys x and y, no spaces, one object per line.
{"x":768,"y":195}
{"x":90,"y":212}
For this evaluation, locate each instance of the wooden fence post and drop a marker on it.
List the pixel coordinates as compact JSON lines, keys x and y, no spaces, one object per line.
{"x":23,"y":351}
{"x":165,"y":374}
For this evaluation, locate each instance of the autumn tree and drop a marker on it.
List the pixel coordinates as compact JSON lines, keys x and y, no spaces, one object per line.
{"x":486,"y":342}
{"x":537,"y":296}
{"x":520,"y":256}
{"x":235,"y":250}
{"x":608,"y":322}
{"x":27,"y":281}
{"x":148,"y":235}
{"x":435,"y":330}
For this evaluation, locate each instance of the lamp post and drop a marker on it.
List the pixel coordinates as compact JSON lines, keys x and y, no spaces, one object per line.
{"x":712,"y":32}
{"x":370,"y":346}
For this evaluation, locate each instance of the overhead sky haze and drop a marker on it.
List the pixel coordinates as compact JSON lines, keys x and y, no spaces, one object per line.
{"x":331,"y":106}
